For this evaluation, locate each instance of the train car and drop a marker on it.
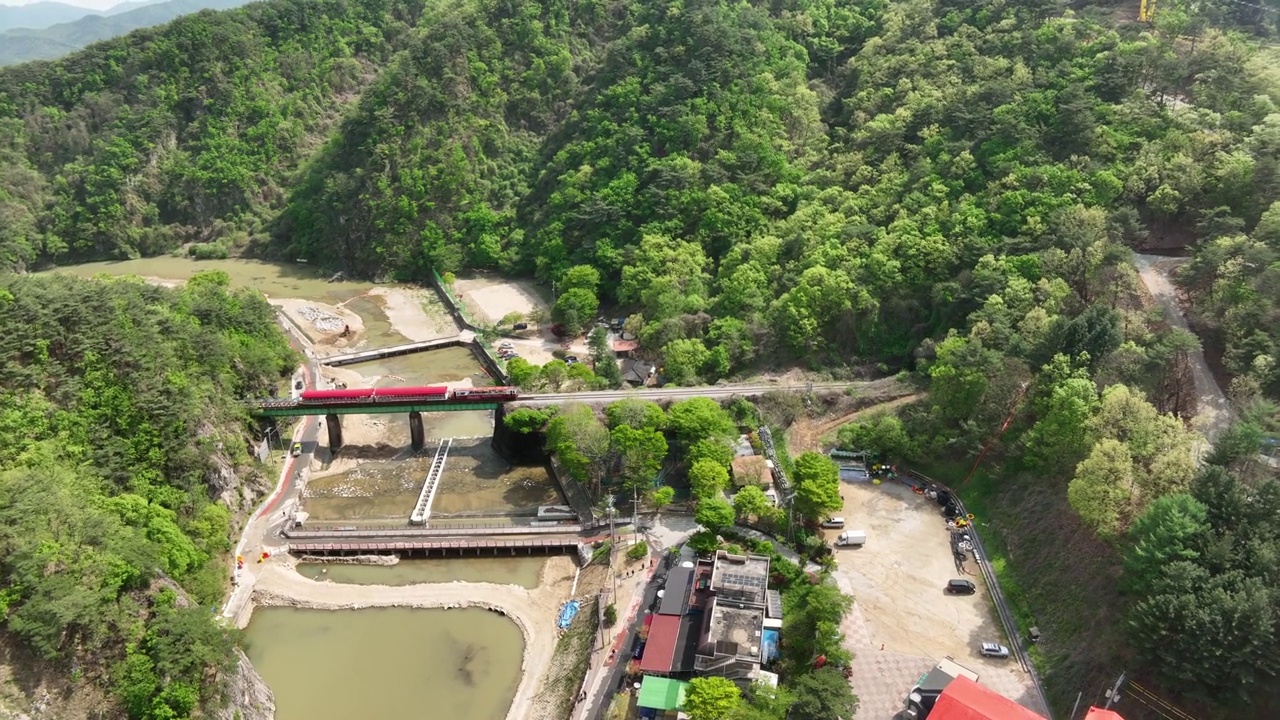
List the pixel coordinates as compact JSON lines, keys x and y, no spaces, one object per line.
{"x":487,"y":393}
{"x":329,"y":396}
{"x":434,"y":392}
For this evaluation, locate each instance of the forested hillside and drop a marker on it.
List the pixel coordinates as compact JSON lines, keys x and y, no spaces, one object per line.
{"x":750,"y":176}
{"x":120,"y":442}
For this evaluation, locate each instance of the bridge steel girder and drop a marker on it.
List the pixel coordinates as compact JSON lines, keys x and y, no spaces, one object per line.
{"x":417,"y":438}
{"x":380,"y":409}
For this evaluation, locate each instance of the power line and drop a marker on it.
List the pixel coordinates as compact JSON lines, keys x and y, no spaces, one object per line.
{"x":1173,"y":709}
{"x":1138,"y":699}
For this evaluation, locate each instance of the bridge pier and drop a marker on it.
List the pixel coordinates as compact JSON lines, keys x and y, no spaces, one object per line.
{"x":417,"y":438}
{"x":334,"y":424}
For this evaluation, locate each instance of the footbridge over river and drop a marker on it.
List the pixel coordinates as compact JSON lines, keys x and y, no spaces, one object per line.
{"x":531,"y":538}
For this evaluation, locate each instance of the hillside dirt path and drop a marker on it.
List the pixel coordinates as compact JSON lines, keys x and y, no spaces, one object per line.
{"x":1213,"y":412}
{"x":806,"y":434}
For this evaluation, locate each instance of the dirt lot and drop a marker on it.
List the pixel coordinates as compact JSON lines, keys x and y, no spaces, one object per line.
{"x":492,"y":298}
{"x":897,"y":581}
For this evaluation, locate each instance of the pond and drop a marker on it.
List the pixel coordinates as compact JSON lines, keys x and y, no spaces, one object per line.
{"x":522,"y":571}
{"x":386,"y":663}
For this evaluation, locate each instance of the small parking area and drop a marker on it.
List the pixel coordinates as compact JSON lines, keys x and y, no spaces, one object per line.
{"x":897,"y":582}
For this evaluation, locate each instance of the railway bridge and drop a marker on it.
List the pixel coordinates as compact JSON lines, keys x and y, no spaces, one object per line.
{"x":332,"y":404}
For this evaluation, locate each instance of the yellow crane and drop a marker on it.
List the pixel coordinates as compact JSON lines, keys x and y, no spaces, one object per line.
{"x":1146,"y":10}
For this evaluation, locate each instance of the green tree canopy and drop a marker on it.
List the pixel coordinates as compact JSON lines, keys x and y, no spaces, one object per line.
{"x":711,"y":698}
{"x":708,"y":479}
{"x":636,"y":413}
{"x":817,"y":486}
{"x":699,"y":419}
{"x":714,"y":514}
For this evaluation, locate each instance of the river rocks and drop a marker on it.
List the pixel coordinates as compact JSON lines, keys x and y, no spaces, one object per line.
{"x":321,"y":320}
{"x":247,"y":695}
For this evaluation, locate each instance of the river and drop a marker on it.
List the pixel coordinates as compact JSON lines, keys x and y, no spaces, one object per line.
{"x":273,"y":279}
{"x":386,"y":663}
{"x":523,"y":571}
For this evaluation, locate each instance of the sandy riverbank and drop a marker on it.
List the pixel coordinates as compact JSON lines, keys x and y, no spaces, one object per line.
{"x":533,"y":611}
{"x":415,"y":313}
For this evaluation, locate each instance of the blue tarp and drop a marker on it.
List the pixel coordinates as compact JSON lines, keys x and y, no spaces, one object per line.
{"x":567,"y":613}
{"x":769,"y":643}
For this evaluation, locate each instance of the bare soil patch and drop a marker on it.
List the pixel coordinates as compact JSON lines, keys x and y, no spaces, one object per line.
{"x":811,"y":433}
{"x":415,"y":313}
{"x":323,"y":324}
{"x":493,"y":298}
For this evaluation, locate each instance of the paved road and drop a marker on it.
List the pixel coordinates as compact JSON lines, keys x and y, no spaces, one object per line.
{"x":1213,"y":412}
{"x":265,"y":523}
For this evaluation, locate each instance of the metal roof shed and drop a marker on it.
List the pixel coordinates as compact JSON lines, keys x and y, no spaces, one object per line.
{"x":662,"y":693}
{"x":675,"y":595}
{"x":964,"y":699}
{"x":660,"y":647}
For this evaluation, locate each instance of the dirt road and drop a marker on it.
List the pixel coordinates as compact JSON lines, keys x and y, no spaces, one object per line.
{"x":1213,"y":412}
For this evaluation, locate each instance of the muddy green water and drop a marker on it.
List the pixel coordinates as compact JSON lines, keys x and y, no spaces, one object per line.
{"x":476,"y":483}
{"x":275,"y":280}
{"x":522,"y":571}
{"x":386,"y":663}
{"x":437,"y":366}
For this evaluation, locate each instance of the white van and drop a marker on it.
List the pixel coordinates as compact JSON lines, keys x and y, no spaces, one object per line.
{"x":835,"y":523}
{"x":852,"y":538}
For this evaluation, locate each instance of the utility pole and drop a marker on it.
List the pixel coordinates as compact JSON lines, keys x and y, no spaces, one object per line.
{"x":1075,"y":707}
{"x":613,"y":547}
{"x":1113,"y":695}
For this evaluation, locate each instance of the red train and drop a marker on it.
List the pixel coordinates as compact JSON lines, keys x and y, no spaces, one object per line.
{"x":428,"y":393}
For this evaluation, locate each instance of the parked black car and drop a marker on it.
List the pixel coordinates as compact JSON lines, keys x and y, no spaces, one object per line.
{"x":520,"y":326}
{"x":961,"y":587}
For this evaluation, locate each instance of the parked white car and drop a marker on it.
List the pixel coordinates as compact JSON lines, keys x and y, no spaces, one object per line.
{"x":993,"y":650}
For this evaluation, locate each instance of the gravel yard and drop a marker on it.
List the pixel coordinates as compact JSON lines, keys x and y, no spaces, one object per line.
{"x":897,"y":581}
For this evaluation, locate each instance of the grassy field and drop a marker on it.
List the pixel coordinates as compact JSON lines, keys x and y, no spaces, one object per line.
{"x":1056,"y":575}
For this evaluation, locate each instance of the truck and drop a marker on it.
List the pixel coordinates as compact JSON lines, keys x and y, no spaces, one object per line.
{"x":852,"y":538}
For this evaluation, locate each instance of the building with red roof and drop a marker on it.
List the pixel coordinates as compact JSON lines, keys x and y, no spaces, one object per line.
{"x":660,"y":647}
{"x":1100,"y":714}
{"x":964,"y":699}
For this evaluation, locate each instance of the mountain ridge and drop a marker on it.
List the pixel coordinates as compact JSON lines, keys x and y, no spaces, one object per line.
{"x":25,"y":44}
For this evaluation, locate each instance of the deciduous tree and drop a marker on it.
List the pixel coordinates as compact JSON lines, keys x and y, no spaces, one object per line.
{"x":708,"y":479}
{"x":817,"y":486}
{"x":640,"y":453}
{"x":711,"y":698}
{"x":751,"y":501}
{"x":699,"y":419}
{"x":636,"y":413}
{"x":714,"y":514}
{"x":1103,"y":490}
